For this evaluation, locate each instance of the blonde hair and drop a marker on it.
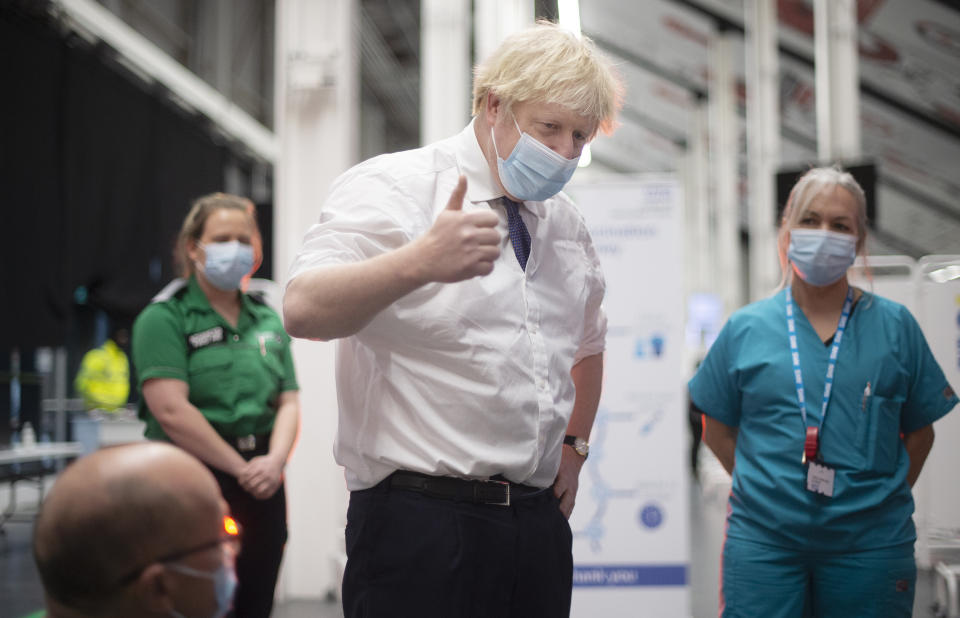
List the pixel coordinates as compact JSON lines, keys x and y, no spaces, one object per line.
{"x":547,"y":64}
{"x":196,"y":220}
{"x":814,"y":182}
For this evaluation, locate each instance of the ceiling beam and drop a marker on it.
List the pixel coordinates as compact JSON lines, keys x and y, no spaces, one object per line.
{"x":865,"y":88}
{"x":150,"y":60}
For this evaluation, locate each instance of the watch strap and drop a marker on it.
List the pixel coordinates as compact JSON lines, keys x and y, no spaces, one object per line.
{"x":573,"y":440}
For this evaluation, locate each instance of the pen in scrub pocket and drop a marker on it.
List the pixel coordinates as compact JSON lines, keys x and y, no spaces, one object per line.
{"x":866,"y":395}
{"x":263,"y":348}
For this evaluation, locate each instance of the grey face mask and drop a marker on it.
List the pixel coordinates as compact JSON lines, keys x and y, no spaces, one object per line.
{"x":227,"y":263}
{"x":821,"y":257}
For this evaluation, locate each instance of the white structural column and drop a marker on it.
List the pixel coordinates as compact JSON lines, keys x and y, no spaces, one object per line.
{"x":698,"y":214}
{"x":317,"y":122}
{"x":727,"y":269}
{"x":763,"y":142}
{"x":445,"y":27}
{"x":495,"y":19}
{"x":837,"y":80}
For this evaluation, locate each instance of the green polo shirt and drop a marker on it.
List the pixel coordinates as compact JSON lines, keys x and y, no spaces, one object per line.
{"x":235,"y":375}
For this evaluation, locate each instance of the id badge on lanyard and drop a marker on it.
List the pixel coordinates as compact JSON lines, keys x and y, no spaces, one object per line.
{"x":820,"y":476}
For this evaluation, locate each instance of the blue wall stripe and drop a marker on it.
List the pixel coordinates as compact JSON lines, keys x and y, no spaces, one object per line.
{"x":630,"y":575}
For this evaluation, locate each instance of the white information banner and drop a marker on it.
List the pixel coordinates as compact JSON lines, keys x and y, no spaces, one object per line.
{"x":631,"y":521}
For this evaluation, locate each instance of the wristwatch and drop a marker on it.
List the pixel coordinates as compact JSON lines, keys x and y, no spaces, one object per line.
{"x":581,"y":446}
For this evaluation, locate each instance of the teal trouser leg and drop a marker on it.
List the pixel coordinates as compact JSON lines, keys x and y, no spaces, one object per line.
{"x":879,"y":582}
{"x":762,"y":580}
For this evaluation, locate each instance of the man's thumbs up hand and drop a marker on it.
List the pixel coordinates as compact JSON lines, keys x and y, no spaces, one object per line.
{"x":460,"y":245}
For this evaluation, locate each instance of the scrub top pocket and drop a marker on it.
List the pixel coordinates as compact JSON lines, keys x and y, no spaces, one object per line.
{"x":878,"y":435}
{"x":211,"y":371}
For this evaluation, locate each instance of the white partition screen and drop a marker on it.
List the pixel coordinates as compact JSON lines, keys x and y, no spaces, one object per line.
{"x":938,"y":517}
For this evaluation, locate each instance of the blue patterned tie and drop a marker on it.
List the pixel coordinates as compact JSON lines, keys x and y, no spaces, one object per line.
{"x":519,"y":236}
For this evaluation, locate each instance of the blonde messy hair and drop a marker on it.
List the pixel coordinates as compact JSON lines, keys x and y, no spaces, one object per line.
{"x":814,"y":182}
{"x":547,"y":64}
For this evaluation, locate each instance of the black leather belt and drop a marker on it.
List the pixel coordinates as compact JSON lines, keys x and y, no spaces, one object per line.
{"x":495,"y":492}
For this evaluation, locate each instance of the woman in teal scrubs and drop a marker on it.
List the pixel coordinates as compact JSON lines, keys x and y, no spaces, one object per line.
{"x":820,"y":400}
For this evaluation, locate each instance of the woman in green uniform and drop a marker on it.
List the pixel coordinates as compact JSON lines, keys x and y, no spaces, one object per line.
{"x":217,"y":379}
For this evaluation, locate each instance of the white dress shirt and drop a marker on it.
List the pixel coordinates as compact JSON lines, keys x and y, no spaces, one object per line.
{"x":468,"y":379}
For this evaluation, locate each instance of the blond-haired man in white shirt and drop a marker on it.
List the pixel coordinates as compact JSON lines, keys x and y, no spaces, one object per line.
{"x":466,"y":294}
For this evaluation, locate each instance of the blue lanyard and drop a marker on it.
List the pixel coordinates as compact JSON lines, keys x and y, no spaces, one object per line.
{"x":834,"y":351}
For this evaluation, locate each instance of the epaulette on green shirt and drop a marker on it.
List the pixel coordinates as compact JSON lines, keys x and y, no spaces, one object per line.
{"x":235,"y":374}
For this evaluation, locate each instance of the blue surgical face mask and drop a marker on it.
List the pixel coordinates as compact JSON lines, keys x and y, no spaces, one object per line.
{"x":224,"y":585}
{"x":821,"y":257}
{"x":533,"y":171}
{"x":227,"y":263}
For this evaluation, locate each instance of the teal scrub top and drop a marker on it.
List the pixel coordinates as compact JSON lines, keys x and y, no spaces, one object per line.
{"x":746,"y":381}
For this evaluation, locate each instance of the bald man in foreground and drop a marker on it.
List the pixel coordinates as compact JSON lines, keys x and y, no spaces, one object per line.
{"x":136,"y":530}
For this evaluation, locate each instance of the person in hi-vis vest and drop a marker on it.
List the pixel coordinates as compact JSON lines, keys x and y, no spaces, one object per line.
{"x":103,"y":380}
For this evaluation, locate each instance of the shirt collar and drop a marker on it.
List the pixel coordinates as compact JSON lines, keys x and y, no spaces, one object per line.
{"x":481,"y":186}
{"x":195,"y":299}
{"x":248,"y":306}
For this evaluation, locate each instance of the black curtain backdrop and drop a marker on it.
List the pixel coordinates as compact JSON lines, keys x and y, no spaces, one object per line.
{"x":96,"y":175}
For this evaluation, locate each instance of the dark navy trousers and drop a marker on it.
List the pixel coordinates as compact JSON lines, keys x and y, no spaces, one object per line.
{"x":413,"y":555}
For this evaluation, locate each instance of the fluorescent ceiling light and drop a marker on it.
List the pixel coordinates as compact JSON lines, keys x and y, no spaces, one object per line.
{"x":569,"y":12}
{"x":944,"y":274}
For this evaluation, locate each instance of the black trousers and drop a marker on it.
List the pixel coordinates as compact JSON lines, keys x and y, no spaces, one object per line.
{"x":412,"y":555}
{"x":264,"y":527}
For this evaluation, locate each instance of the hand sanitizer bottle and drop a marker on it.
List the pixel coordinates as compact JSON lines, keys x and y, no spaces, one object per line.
{"x":28,"y":437}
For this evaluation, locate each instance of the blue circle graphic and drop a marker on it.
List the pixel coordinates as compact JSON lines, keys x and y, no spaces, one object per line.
{"x":651,"y":515}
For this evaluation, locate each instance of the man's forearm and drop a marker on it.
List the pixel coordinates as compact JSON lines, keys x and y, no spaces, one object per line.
{"x":330,"y":302}
{"x":588,"y":379}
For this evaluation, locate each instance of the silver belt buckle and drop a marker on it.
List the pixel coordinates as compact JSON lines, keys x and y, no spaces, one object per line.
{"x":247,"y":443}
{"x":506,"y":486}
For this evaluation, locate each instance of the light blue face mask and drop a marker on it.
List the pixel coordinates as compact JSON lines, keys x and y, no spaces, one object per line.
{"x":533,"y":171}
{"x":224,"y":585}
{"x":227,"y":263}
{"x":821,"y":257}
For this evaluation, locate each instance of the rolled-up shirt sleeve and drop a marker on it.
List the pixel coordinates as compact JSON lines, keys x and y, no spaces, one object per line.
{"x":365,"y":215}
{"x":595,"y":318}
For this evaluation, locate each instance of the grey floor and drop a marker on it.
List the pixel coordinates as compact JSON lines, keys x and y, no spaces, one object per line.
{"x":20,"y":591}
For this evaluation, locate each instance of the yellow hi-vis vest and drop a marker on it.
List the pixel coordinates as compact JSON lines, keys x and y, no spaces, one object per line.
{"x":104,"y":378}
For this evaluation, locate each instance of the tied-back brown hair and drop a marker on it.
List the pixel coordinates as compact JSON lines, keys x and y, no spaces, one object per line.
{"x":196,"y":220}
